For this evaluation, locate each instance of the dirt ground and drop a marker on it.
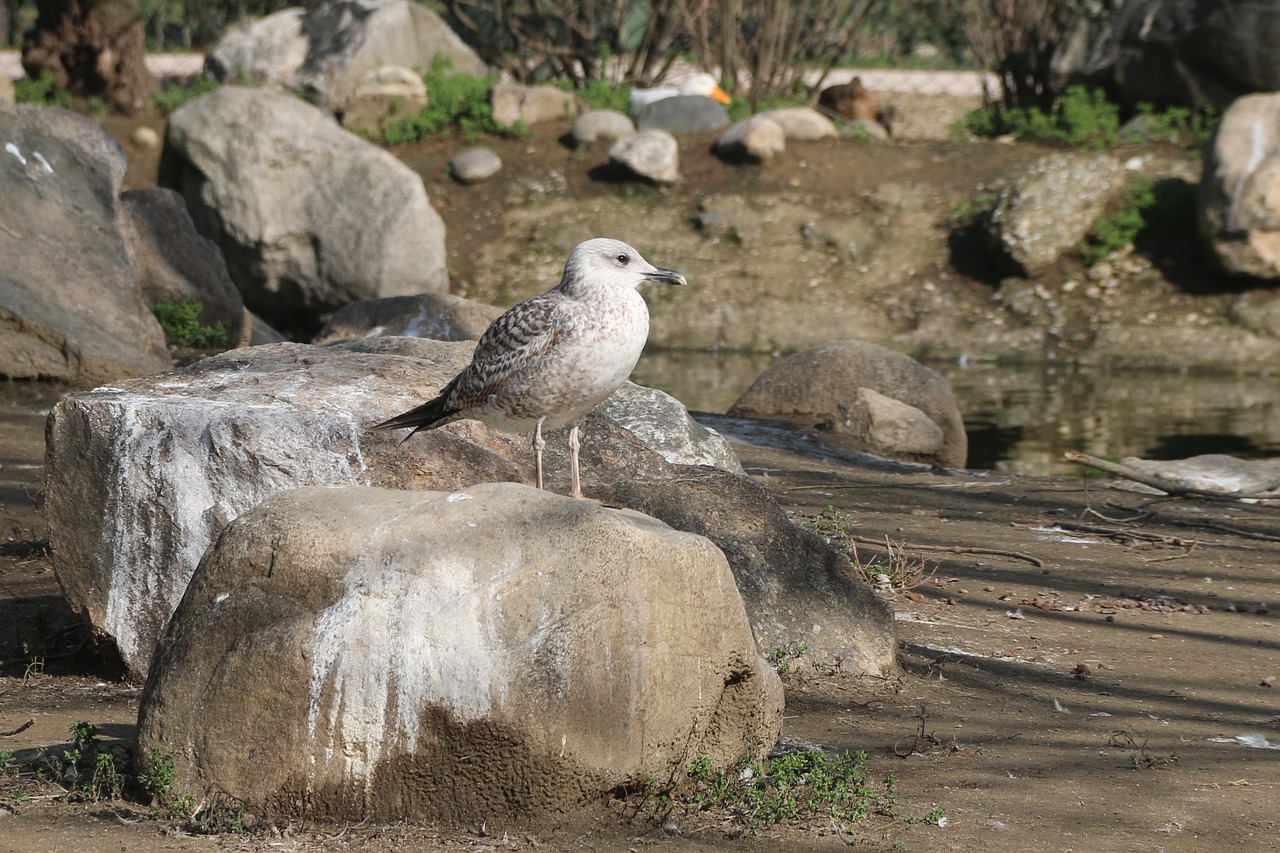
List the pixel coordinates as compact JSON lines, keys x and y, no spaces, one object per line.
{"x":1084,"y":691}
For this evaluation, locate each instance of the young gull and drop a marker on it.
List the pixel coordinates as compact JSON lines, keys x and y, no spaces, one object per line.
{"x":553,"y":358}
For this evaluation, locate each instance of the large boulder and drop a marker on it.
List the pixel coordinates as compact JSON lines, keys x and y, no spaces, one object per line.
{"x":1239,"y":200}
{"x":328,"y":50}
{"x":142,"y":476}
{"x":1172,"y":52}
{"x":864,"y":396}
{"x":384,"y":96}
{"x":308,"y":216}
{"x":440,"y":316}
{"x":70,"y":305}
{"x":375,"y":642}
{"x":1049,"y":208}
{"x":756,"y":140}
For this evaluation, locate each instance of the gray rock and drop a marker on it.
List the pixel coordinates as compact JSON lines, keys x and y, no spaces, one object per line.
{"x":885,"y":426}
{"x":803,"y":124}
{"x":326,"y":51}
{"x":1238,"y":208}
{"x":175,"y":263}
{"x":827,"y":385}
{"x":595,"y":125}
{"x":759,"y":138}
{"x":375,"y":641}
{"x":439,"y":316}
{"x":513,"y":102}
{"x":1050,"y":207}
{"x":70,"y":301}
{"x":385,"y":95}
{"x":236,"y":428}
{"x":661,"y":422}
{"x":475,"y":165}
{"x":683,"y":114}
{"x":1172,"y":52}
{"x":308,"y":216}
{"x":650,"y":154}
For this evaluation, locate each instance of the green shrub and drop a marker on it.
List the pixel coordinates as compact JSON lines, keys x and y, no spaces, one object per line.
{"x":1081,"y":118}
{"x":455,"y":101}
{"x":600,"y":94}
{"x":173,"y":96}
{"x":1118,"y":229}
{"x":40,"y":90}
{"x":182,"y":327}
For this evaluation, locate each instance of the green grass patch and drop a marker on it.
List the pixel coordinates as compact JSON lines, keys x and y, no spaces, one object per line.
{"x":1117,"y":230}
{"x":600,"y":94}
{"x":808,"y":789}
{"x":1081,"y":118}
{"x":175,"y":95}
{"x":41,"y":91}
{"x":182,"y":327}
{"x":456,"y":102}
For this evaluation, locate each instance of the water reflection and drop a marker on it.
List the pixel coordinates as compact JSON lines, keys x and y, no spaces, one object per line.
{"x":1022,"y":418}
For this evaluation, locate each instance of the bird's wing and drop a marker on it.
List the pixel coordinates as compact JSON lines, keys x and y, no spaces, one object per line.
{"x":519,"y":336}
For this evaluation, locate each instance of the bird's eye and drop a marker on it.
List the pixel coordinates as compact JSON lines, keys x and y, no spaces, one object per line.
{"x":623,"y":259}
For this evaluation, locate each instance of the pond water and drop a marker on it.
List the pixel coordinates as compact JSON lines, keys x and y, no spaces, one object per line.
{"x":1021,"y":418}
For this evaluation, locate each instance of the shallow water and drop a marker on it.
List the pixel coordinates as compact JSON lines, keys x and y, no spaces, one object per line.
{"x":1022,"y":418}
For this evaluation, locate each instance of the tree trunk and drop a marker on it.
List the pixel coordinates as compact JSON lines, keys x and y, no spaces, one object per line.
{"x":93,"y":49}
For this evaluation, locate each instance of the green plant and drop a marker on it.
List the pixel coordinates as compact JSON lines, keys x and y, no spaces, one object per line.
{"x":1118,"y":229}
{"x":173,"y":96}
{"x":805,"y":787}
{"x":781,"y":658}
{"x":8,"y":762}
{"x":40,"y":90}
{"x":1080,"y":118}
{"x":599,"y":94}
{"x":181,"y":324}
{"x":967,"y":210}
{"x":455,"y":101}
{"x":898,"y":569}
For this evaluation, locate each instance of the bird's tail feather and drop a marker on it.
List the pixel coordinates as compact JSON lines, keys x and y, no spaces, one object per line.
{"x":429,"y":415}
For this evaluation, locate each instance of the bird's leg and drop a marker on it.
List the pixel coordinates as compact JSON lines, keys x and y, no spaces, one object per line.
{"x":538,"y":443}
{"x":574,"y":446}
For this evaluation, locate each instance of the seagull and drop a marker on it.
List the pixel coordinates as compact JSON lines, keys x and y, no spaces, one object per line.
{"x":551,"y":359}
{"x":698,"y":84}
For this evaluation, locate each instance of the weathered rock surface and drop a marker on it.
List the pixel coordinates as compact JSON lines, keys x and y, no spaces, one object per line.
{"x":1050,"y":207}
{"x":141,"y":477}
{"x":1239,"y":201}
{"x":828,"y":386}
{"x":475,"y":165}
{"x":683,"y":114}
{"x":514,"y":102}
{"x":326,"y":51}
{"x":439,"y":316}
{"x":594,"y":125}
{"x":71,"y":308}
{"x":308,"y":216}
{"x":759,"y":138}
{"x":377,"y":641}
{"x":650,"y":154}
{"x":1172,"y":52}
{"x":174,"y":263}
{"x":658,"y":419}
{"x":383,"y":97}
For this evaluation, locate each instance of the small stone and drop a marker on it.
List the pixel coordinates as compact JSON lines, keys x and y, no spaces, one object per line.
{"x":145,"y":137}
{"x":475,"y":165}
{"x":595,"y":125}
{"x":650,"y":154}
{"x":758,"y":138}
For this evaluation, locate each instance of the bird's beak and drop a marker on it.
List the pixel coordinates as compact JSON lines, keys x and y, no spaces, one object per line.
{"x":669,"y":276}
{"x":720,"y":95}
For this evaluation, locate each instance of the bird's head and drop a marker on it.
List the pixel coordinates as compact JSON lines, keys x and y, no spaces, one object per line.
{"x":614,"y":264}
{"x":707,"y":86}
